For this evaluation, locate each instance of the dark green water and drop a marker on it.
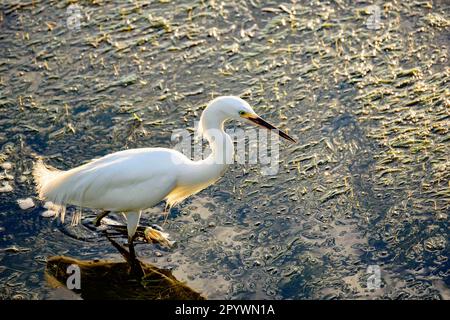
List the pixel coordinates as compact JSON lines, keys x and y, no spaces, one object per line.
{"x":366,"y":184}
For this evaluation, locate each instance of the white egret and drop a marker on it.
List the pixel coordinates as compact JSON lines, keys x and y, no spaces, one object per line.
{"x":132,"y":180}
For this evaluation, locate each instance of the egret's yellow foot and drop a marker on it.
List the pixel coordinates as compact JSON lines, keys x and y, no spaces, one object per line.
{"x":156,"y":236}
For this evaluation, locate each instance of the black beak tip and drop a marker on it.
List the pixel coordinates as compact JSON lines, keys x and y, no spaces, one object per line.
{"x":263,"y":123}
{"x":290,"y":139}
{"x":286,"y":136}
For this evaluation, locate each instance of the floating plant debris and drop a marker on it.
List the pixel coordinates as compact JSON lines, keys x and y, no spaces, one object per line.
{"x":25,"y":204}
{"x":367,"y":99}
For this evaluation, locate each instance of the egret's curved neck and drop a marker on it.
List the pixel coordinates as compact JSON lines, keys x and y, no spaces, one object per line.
{"x":212,"y":128}
{"x":204,"y":172}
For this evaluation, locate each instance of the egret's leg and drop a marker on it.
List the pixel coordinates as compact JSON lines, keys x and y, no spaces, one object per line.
{"x":99,"y":218}
{"x":132,"y":224}
{"x":136,"y":267}
{"x":131,"y":248}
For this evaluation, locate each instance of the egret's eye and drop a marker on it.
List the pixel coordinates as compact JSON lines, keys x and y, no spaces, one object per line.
{"x":241,"y":113}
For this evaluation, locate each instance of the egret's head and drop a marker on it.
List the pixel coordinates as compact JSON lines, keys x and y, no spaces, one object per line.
{"x":230,"y":107}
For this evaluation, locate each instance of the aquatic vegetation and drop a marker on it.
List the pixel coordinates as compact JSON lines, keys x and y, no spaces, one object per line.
{"x":367,"y":183}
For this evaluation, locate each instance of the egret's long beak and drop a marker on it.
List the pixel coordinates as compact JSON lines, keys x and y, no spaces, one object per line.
{"x":263,"y":123}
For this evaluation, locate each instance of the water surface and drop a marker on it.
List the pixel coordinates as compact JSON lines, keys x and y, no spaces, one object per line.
{"x":366,"y":184}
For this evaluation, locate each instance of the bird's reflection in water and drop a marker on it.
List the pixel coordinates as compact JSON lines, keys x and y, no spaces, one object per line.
{"x":119,"y":280}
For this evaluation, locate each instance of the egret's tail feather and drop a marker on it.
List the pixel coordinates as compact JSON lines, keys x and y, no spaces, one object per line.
{"x":47,"y":181}
{"x":43,"y":177}
{"x":76,"y":218}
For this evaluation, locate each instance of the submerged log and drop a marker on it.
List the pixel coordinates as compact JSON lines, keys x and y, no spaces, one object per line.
{"x":114,"y":280}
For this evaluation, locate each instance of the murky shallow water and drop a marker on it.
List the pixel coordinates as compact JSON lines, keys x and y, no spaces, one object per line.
{"x":367,"y":183}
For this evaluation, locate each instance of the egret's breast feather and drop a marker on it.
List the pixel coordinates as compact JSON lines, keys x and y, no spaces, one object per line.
{"x":179,"y":193}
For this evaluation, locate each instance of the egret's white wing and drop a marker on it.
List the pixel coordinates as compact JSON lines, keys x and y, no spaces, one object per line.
{"x":123,"y":181}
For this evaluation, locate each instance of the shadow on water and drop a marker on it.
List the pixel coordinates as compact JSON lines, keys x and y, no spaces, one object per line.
{"x":114,"y":280}
{"x":131,"y":279}
{"x":367,"y":184}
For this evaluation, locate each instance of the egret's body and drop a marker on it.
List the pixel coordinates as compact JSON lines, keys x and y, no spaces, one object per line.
{"x":132,"y":180}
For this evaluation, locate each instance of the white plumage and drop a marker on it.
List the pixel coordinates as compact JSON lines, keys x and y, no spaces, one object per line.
{"x":132,"y":180}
